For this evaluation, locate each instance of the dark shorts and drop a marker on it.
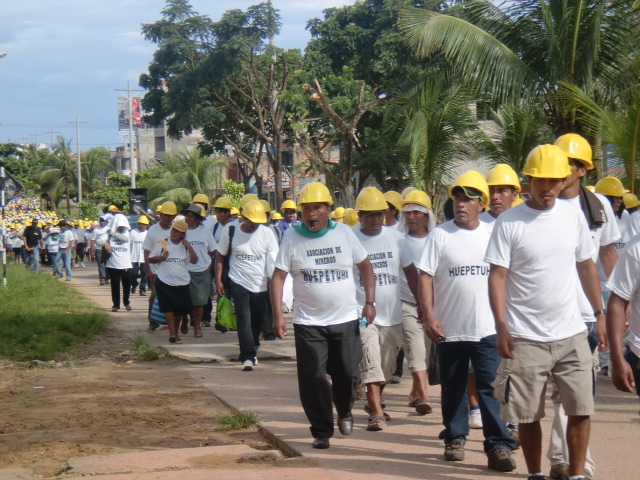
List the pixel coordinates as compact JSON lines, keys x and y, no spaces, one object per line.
{"x":174,"y":299}
{"x":17,"y":251}
{"x":634,"y":361}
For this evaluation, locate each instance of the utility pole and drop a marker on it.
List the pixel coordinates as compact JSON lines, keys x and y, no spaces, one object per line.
{"x":51,"y":132}
{"x":79,"y":172}
{"x":132,"y":159}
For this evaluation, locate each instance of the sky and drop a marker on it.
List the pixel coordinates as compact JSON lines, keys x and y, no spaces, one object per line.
{"x":65,"y":59}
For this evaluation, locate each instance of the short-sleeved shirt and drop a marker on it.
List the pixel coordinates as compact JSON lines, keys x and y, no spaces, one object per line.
{"x":33,"y":235}
{"x":411,"y":253}
{"x":454,"y":257}
{"x":66,"y":238}
{"x":120,"y":257}
{"x":540,"y":249}
{"x":252,"y":256}
{"x":136,"y":239}
{"x":202,"y":241}
{"x":174,"y":270}
{"x":155,"y":233}
{"x":321,"y":268}
{"x":624,"y":282}
{"x":384,"y":252}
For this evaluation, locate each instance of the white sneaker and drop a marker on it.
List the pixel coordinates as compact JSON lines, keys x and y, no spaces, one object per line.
{"x":475,"y":419}
{"x":247,"y":366}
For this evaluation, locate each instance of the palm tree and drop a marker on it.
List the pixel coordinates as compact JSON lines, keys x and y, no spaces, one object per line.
{"x":526,"y":49}
{"x":96,"y":163}
{"x":59,"y":178}
{"x":186,"y":174}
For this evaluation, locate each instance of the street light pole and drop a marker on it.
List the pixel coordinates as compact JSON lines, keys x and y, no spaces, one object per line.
{"x":79,"y":169}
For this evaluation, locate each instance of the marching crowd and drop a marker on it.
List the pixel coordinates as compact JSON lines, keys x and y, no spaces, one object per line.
{"x":509,"y":295}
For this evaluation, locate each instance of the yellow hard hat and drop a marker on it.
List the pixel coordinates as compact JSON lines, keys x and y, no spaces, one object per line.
{"x":576,"y":147}
{"x":169,"y":208}
{"x":180,"y":225}
{"x":417,"y":197}
{"x":394,"y":198}
{"x":143,"y":219}
{"x":249,"y":197}
{"x":315,"y":192}
{"x":591,"y":188}
{"x":159,"y":208}
{"x":288,"y":205}
{"x":610,"y":186}
{"x":503,"y":174}
{"x":370,"y":199}
{"x":112,"y":208}
{"x":517,"y":201}
{"x":407,"y":190}
{"x":267,"y":207}
{"x":351,"y":217}
{"x":630,"y":200}
{"x":254,"y":211}
{"x":338,"y":213}
{"x":223,"y":202}
{"x":276,"y":216}
{"x":547,"y":161}
{"x":234,"y":211}
{"x":200,"y":198}
{"x":472,"y":179}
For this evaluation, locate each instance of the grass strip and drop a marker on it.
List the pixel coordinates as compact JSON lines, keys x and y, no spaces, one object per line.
{"x":41,"y":317}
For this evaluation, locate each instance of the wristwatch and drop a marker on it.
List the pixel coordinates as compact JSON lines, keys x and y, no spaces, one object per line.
{"x":603,"y":312}
{"x":373,"y":304}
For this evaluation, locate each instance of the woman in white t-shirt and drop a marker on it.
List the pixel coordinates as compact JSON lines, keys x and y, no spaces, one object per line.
{"x":201,"y":285}
{"x":118,"y":265}
{"x":171,"y":259}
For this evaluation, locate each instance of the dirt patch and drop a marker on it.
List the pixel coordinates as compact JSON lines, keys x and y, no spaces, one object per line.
{"x":100,"y":402}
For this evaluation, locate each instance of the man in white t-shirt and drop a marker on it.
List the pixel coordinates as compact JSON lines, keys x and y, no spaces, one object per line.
{"x":209,"y":221}
{"x":252,"y":252}
{"x":381,"y":340}
{"x":504,"y":188}
{"x":67,"y":240}
{"x":604,"y":233}
{"x":534,"y":252}
{"x":454,"y":298}
{"x":417,"y":220}
{"x":394,"y":205}
{"x":100,"y":236}
{"x":624,"y":284}
{"x":138,"y":269}
{"x":320,"y":254}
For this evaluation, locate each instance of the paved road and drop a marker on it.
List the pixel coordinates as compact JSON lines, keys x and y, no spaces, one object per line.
{"x":408,"y":448}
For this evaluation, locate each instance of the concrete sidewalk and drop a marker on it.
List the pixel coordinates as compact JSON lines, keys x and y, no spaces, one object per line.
{"x":408,"y":448}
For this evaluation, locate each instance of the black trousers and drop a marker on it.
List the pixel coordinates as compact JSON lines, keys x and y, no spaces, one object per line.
{"x":115,"y":276}
{"x":334,"y":350}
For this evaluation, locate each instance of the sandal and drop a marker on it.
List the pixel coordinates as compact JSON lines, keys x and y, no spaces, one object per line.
{"x":173,"y":339}
{"x":376,"y":424}
{"x":370,"y":412}
{"x":422,"y":406}
{"x":197,"y":334}
{"x":184,"y":329}
{"x":128,"y":307}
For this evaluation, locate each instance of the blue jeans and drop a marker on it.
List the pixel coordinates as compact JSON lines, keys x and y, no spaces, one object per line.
{"x":33,"y":258}
{"x":249,"y":309}
{"x":55,"y":262}
{"x":66,"y":261}
{"x":139,"y":270}
{"x":454,"y":360}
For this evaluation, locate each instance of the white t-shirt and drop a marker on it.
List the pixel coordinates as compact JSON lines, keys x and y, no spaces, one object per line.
{"x":155,"y":233}
{"x":218,"y":228}
{"x":321,"y":268}
{"x":52,"y":243}
{"x":624,"y":282}
{"x":633,"y":227}
{"x":174,"y":270}
{"x":623,"y":227}
{"x":384,"y":251}
{"x":79,"y":234}
{"x":453,"y":256}
{"x":209,"y":222}
{"x":540,"y":248}
{"x":66,"y":238}
{"x":411,"y":253}
{"x":201,"y":239}
{"x":101,"y":235}
{"x":486,"y":217}
{"x":120,"y":253}
{"x":136,"y":239}
{"x":252,"y":256}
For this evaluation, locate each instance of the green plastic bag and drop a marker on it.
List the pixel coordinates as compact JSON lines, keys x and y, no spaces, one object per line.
{"x":225,"y":315}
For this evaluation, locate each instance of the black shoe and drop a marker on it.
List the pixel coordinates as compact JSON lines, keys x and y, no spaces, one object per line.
{"x":143,"y":293}
{"x":345,"y":424}
{"x":206,"y":324}
{"x":220,"y":328}
{"x":321,"y":443}
{"x":133,"y":289}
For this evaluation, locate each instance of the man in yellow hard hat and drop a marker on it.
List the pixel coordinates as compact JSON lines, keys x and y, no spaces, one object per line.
{"x":394,"y":204}
{"x":605,"y":233}
{"x":504,"y":188}
{"x":251,"y":249}
{"x":290,"y":214}
{"x":454,"y":299}
{"x":321,"y":255}
{"x":202,"y":200}
{"x":536,"y":248}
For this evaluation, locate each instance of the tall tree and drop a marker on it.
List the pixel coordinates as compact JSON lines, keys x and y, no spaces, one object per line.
{"x":58,"y":179}
{"x":96,"y":163}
